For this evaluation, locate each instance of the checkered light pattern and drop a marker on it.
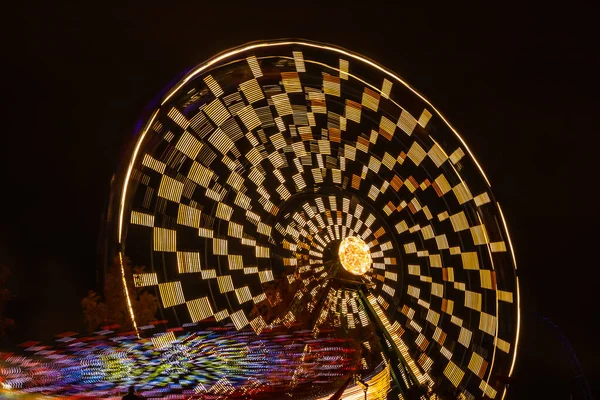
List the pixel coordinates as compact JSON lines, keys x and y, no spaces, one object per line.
{"x":236,"y":144}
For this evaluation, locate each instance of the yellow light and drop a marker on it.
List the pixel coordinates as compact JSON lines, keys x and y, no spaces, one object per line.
{"x":129,"y":306}
{"x":355,"y":255}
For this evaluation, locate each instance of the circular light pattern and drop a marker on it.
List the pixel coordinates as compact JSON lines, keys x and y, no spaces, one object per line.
{"x":255,"y":168}
{"x":354,"y":255}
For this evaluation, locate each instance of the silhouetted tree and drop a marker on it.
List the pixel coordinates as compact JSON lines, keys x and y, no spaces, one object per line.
{"x":114,"y":309}
{"x":94,"y":311}
{"x":114,"y":293}
{"x":145,"y":308}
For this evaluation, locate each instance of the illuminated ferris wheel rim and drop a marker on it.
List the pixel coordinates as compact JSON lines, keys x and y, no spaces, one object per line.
{"x":227,"y":56}
{"x":220,"y":59}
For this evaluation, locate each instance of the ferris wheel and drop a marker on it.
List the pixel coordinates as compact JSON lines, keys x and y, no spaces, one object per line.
{"x":299,"y":185}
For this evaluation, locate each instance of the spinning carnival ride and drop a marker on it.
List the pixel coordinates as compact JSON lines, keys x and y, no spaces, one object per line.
{"x":300,"y":187}
{"x":255,"y":168}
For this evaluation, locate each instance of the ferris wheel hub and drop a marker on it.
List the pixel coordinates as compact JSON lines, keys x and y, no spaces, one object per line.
{"x":355,"y":255}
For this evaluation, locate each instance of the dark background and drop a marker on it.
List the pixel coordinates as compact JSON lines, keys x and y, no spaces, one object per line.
{"x":519,"y":83}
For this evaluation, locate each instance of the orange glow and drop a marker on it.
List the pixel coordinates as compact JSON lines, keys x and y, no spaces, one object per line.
{"x":355,"y":255}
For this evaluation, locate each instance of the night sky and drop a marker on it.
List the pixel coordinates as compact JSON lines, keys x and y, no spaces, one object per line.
{"x":518,"y":83}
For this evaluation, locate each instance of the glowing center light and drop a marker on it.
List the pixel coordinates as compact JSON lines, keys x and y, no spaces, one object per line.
{"x":355,"y":255}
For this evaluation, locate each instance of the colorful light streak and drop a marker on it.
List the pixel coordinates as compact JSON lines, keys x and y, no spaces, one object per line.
{"x":197,"y":363}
